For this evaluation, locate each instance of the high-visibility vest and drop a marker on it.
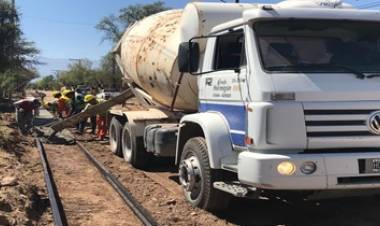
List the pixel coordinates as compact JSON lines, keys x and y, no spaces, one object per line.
{"x":64,"y":106}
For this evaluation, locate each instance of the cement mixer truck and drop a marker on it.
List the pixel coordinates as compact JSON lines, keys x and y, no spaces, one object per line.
{"x":255,"y":100}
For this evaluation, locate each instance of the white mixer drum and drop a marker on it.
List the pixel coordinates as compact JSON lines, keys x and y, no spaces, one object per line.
{"x":148,"y":49}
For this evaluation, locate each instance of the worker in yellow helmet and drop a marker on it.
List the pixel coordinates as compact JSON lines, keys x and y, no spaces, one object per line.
{"x":100,"y":118}
{"x":65,"y":103}
{"x":73,"y":103}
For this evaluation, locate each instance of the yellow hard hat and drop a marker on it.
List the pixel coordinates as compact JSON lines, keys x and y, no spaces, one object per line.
{"x":88,"y":98}
{"x":56,"y":94}
{"x":67,"y":91}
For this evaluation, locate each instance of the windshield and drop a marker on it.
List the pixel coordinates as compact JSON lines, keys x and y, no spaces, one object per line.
{"x":318,"y":45}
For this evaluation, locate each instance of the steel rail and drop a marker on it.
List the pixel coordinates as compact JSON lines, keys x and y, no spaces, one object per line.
{"x":144,"y":216}
{"x":59,"y":215}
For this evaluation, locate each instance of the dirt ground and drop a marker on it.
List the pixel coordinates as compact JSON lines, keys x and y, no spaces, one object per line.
{"x":164,"y":202}
{"x":86,"y":197}
{"x":23,"y":197}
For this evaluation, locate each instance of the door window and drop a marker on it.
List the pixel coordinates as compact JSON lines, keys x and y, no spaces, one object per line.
{"x":230,"y":52}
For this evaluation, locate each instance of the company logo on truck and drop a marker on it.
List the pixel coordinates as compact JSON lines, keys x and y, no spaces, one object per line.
{"x":373,"y":123}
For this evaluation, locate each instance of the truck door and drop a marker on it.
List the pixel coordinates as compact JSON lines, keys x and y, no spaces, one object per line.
{"x":223,"y":90}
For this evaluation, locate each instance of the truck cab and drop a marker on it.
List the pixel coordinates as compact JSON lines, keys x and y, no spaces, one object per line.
{"x":289,"y":101}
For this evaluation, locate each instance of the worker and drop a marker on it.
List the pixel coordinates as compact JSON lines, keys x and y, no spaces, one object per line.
{"x":61,"y":106}
{"x":100,"y":118}
{"x":65,"y":103}
{"x":52,"y":105}
{"x":71,"y":95}
{"x":79,"y":106}
{"x":26,"y":110}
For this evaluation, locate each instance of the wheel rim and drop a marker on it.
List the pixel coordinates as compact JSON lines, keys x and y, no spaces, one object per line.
{"x":113,"y":138}
{"x":127,"y":145}
{"x":190,"y":177}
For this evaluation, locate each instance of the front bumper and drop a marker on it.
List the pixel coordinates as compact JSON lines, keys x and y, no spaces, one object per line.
{"x":334,"y":171}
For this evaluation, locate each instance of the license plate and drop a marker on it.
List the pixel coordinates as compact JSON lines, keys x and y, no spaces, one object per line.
{"x":369,"y":165}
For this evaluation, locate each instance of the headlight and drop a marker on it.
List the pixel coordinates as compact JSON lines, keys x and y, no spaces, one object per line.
{"x":308,"y":167}
{"x":286,"y":168}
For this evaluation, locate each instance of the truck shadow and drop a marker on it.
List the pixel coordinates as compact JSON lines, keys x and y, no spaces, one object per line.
{"x":348,"y":211}
{"x":160,"y":164}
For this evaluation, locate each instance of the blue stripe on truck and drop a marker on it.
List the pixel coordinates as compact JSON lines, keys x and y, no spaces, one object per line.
{"x":235,"y":115}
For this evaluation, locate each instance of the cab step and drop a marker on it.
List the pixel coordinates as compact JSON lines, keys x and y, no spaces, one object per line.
{"x":233,"y":188}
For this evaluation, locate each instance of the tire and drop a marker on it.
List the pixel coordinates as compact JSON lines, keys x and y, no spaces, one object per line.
{"x":133,"y":148}
{"x":115,"y":136}
{"x":198,"y":189}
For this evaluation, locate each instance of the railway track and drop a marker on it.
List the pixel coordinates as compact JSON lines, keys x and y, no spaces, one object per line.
{"x":57,"y":208}
{"x":59,"y":215}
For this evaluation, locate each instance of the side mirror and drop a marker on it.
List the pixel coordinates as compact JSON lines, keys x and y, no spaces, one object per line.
{"x":188,"y":57}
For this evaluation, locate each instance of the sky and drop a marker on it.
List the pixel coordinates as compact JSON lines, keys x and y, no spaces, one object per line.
{"x":65,"y":29}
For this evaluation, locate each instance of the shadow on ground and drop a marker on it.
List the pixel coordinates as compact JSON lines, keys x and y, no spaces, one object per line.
{"x":361,"y":211}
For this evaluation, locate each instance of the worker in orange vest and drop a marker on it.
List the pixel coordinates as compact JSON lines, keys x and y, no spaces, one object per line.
{"x":64,"y":103}
{"x":101,"y":122}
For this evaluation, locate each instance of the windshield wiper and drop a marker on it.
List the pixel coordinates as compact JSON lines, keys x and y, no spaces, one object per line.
{"x":359,"y":74}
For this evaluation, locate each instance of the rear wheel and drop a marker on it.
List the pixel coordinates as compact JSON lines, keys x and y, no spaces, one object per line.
{"x":133,"y":148}
{"x":115,"y":136}
{"x":197,"y":177}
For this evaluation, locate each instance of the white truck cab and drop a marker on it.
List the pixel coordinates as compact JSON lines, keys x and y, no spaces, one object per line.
{"x":290,"y":98}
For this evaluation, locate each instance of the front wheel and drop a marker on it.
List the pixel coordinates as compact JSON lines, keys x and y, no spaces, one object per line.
{"x":133,"y":148}
{"x":197,"y":178}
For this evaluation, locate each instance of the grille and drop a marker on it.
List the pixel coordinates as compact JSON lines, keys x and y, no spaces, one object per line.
{"x":359,"y":180}
{"x":337,"y":122}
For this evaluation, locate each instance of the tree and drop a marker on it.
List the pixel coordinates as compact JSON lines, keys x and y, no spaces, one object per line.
{"x":113,"y":26}
{"x":80,"y":72}
{"x":49,"y":82}
{"x":111,"y":72}
{"x":17,"y":55}
{"x":14,"y":81}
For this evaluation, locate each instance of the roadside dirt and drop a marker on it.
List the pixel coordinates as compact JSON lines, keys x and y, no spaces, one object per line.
{"x":86,"y":197}
{"x":23,"y":197}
